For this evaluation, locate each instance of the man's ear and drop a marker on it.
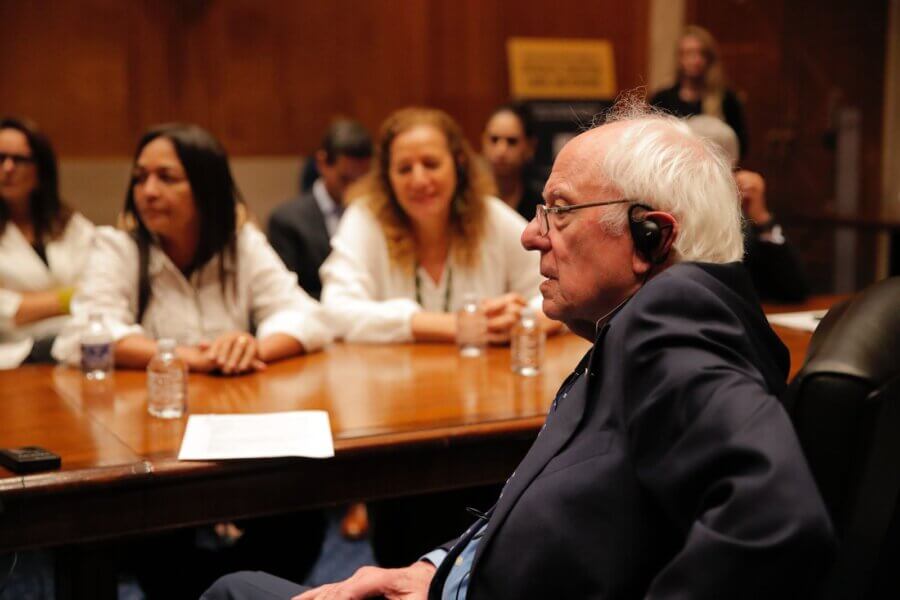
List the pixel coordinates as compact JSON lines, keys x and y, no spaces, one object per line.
{"x":668,"y":232}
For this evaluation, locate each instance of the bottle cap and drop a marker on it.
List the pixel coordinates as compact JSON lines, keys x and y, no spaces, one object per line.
{"x":165,"y":344}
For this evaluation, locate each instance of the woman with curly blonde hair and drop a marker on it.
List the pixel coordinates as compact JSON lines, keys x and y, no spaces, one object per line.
{"x":700,"y":87}
{"x":422,"y":232}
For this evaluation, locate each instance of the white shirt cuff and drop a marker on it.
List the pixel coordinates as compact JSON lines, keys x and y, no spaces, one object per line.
{"x":308,"y":329}
{"x":435,"y":557}
{"x":9,"y":306}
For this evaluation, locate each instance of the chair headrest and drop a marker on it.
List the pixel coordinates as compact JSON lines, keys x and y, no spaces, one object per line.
{"x":860,"y":338}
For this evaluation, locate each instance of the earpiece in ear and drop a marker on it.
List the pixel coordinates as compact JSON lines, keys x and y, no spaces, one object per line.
{"x":645,"y":233}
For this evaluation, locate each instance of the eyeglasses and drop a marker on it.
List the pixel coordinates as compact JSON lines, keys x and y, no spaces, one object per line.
{"x":544,"y":211}
{"x":19,"y":160}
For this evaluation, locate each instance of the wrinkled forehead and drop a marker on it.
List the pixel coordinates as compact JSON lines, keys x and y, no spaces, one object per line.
{"x":577,"y":172}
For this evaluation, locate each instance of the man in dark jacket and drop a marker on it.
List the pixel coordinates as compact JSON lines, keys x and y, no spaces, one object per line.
{"x":300,"y":230}
{"x":666,"y":467}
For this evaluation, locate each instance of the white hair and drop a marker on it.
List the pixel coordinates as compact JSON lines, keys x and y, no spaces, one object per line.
{"x":657,"y":161}
{"x":718,"y":132}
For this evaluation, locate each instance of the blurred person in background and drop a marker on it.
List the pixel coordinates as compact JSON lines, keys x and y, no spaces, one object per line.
{"x":43,"y":246}
{"x":508,"y":144}
{"x":188,"y":267}
{"x":772,"y":262}
{"x":422,"y":230}
{"x":700,"y":86}
{"x":300,"y":230}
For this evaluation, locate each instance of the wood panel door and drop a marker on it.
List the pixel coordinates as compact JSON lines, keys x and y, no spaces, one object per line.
{"x":800,"y":66}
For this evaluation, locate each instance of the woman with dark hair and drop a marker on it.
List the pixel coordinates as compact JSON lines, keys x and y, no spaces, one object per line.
{"x":43,"y":244}
{"x":189,"y":268}
{"x":700,"y":87}
{"x":508,"y":144}
{"x":423,"y":230}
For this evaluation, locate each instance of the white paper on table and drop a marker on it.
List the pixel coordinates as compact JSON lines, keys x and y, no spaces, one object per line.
{"x":295,"y":433}
{"x":806,"y":320}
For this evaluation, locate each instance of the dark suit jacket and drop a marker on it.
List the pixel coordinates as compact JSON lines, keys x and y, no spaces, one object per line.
{"x":298,"y":233}
{"x":668,"y":469}
{"x":774,"y":268}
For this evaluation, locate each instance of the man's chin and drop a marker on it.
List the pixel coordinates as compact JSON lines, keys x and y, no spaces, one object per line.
{"x":551,"y":310}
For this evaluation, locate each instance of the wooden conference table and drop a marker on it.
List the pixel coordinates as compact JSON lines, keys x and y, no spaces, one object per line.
{"x":405,"y":418}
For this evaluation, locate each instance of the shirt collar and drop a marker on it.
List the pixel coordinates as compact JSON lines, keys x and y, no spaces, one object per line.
{"x":326,"y":203}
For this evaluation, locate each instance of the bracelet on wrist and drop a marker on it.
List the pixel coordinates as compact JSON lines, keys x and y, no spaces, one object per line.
{"x":64,"y":297}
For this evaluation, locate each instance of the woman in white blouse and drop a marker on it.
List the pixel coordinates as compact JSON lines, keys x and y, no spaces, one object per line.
{"x":424,"y":232}
{"x":43,"y":245}
{"x":189,"y":269}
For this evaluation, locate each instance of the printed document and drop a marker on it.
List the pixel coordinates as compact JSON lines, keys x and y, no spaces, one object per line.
{"x":295,"y":433}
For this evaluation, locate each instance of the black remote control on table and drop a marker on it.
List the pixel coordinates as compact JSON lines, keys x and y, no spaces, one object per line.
{"x":29,"y":459}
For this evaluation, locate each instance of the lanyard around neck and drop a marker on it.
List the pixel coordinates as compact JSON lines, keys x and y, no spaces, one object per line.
{"x":447,"y":293}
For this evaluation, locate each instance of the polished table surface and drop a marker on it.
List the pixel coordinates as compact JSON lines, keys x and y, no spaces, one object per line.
{"x":405,"y":419}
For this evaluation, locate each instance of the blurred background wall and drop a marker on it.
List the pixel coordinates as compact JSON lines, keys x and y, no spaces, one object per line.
{"x":266,"y":77}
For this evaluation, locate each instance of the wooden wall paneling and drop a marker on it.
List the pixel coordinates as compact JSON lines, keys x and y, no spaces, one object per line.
{"x":63,"y":65}
{"x":470,"y":48}
{"x":267,"y":77}
{"x":385,"y":64}
{"x":796,"y":63}
{"x":156,"y":78}
{"x":380,"y":61}
{"x":834,"y":59}
{"x":750,"y":37}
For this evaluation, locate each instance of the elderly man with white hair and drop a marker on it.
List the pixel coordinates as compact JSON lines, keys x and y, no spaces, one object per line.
{"x":666,"y":467}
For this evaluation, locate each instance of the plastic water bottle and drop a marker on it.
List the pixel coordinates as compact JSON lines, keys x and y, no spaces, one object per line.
{"x":97,"y":352}
{"x":527,"y":344}
{"x":167,"y":377}
{"x":471,"y":327}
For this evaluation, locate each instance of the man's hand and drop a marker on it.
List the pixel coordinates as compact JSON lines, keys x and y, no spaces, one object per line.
{"x":502,"y":315}
{"x":410,"y":583}
{"x":753,"y":197}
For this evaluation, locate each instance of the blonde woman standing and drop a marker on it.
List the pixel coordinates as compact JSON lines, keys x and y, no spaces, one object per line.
{"x":700,"y":87}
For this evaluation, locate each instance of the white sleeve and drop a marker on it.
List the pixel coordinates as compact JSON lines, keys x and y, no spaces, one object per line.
{"x":78,"y":238}
{"x":351,"y":277}
{"x":277,"y":303}
{"x":524,"y":275}
{"x":109,"y":286}
{"x":9,"y":306}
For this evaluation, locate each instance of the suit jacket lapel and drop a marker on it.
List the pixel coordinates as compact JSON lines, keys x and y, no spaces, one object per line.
{"x":313,"y":223}
{"x":559,"y":427}
{"x":549,"y":441}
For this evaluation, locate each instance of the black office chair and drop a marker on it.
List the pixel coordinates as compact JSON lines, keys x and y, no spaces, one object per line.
{"x":845,"y":405}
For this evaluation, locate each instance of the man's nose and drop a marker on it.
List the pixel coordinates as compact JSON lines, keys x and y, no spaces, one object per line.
{"x":532,"y":238}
